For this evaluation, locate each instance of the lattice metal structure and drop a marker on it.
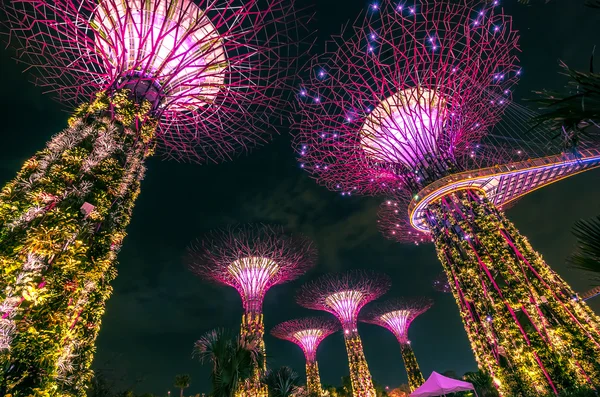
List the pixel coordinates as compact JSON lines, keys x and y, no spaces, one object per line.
{"x":308,"y":333}
{"x":397,"y":315}
{"x":252,"y":259}
{"x":344,"y":295}
{"x":201,"y":81}
{"x":407,"y":104}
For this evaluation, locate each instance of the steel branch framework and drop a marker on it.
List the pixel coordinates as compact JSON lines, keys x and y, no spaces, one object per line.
{"x":396,"y":315}
{"x":344,"y":295}
{"x":202,"y":81}
{"x":252,"y":259}
{"x":216,"y":71}
{"x":408,"y":105}
{"x":308,"y":333}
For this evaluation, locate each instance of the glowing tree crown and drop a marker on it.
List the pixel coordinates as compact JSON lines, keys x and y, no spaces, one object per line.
{"x":397,"y":314}
{"x":344,"y":294}
{"x":407,"y":96}
{"x":214,"y":70}
{"x":252,"y":259}
{"x":307,"y":333}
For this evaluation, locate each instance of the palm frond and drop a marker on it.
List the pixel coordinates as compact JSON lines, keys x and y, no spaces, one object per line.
{"x":587,"y":254}
{"x":593,"y":3}
{"x":282,"y":382}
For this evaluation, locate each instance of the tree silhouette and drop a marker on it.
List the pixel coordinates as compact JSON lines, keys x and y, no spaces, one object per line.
{"x":182,"y":381}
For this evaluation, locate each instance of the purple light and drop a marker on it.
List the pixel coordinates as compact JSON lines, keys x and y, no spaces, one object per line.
{"x":253,"y":275}
{"x":345,"y":304}
{"x":170,"y":47}
{"x":404,"y":126}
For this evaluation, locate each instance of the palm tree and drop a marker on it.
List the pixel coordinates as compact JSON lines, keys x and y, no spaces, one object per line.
{"x":182,"y":381}
{"x":587,"y":255}
{"x":483,"y":383}
{"x":282,"y":382}
{"x":233,"y":360}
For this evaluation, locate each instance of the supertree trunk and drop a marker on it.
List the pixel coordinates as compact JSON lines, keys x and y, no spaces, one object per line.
{"x":526,"y":325}
{"x":360,"y":376}
{"x":62,"y":222}
{"x":253,"y":330}
{"x":313,"y":379}
{"x":415,"y":377}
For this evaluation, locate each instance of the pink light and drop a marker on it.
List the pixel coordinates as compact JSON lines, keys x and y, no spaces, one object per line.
{"x":405,"y":127}
{"x":309,"y":340}
{"x":345,"y":304}
{"x":398,"y":322}
{"x":253,"y":275}
{"x":172,"y":50}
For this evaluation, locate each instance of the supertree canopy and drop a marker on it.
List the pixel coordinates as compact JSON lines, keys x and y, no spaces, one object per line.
{"x":407,"y":96}
{"x":404,"y":105}
{"x":201,"y":81}
{"x":308,"y":333}
{"x":396,"y":315}
{"x":252,"y":259}
{"x":344,"y":295}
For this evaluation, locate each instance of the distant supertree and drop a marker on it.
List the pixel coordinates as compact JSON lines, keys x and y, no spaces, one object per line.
{"x":440,"y":283}
{"x":396,"y":315}
{"x":344,"y":295}
{"x":308,"y":333}
{"x":404,"y":105}
{"x":252,"y":259}
{"x":201,"y":81}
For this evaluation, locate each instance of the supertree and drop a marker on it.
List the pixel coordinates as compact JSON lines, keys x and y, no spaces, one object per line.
{"x":308,"y":333}
{"x":344,"y":295}
{"x":199,"y":80}
{"x":440,"y":283}
{"x":396,"y":315}
{"x":252,"y":259}
{"x":403,"y":106}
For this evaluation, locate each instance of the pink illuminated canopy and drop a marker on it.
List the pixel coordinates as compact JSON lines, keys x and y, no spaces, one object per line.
{"x":344,"y":294}
{"x":253,"y":275}
{"x":251,"y":259}
{"x":396,"y":314}
{"x":404,"y":127}
{"x":307,"y":333}
{"x":172,"y":43}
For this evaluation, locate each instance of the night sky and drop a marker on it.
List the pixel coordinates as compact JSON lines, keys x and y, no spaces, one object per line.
{"x":159,"y":308}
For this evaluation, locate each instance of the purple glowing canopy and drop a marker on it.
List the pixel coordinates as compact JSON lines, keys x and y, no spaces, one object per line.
{"x":439,"y":385}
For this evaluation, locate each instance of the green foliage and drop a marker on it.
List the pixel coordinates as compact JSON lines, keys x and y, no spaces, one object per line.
{"x":233,"y":359}
{"x":62,"y":222}
{"x":582,"y":391}
{"x":483,"y":383}
{"x":587,"y":255}
{"x":182,"y":381}
{"x":282,"y":382}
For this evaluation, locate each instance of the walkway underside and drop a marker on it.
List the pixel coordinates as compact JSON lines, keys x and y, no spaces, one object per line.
{"x":505,"y":183}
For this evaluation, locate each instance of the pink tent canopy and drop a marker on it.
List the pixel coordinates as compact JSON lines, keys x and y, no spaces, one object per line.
{"x":439,"y":385}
